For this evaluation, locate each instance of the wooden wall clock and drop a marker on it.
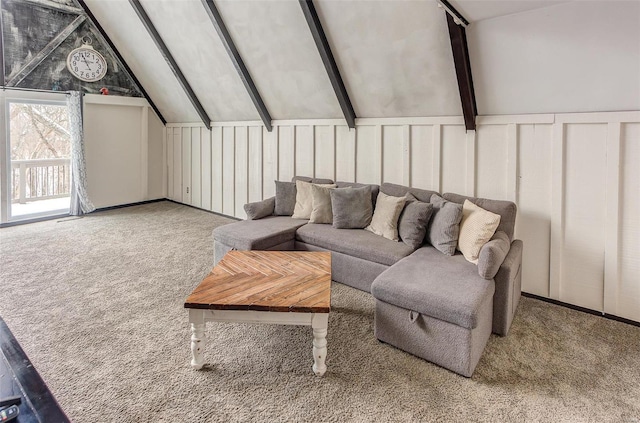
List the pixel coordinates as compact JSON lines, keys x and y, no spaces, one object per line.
{"x":87,"y":64}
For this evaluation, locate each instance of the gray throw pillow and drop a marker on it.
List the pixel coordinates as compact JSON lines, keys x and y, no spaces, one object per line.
{"x":492,"y":254}
{"x":351,"y":207}
{"x":444,"y":227}
{"x":260,"y":209}
{"x":285,"y":198}
{"x":412,"y":225}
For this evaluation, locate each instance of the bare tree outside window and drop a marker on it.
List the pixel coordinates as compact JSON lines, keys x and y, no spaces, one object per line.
{"x":40,"y":151}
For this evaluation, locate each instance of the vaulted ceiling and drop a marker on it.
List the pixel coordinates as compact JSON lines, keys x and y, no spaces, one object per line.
{"x":394,"y":57}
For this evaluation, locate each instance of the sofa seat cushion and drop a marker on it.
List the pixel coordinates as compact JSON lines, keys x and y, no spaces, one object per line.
{"x":447,"y":288}
{"x":258,"y":234}
{"x":354,"y":242}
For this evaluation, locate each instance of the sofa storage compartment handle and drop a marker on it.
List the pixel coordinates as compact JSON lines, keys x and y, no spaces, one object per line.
{"x":413,"y":316}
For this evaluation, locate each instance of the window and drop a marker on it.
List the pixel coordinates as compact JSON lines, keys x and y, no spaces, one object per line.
{"x":38,"y":168}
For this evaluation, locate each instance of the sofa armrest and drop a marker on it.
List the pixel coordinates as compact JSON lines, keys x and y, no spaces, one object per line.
{"x":260,"y":209}
{"x":492,"y":255}
{"x":508,"y":282}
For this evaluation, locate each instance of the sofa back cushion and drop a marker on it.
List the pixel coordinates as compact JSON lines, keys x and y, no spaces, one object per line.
{"x":320,"y":181}
{"x":506,"y":209}
{"x":396,"y":190}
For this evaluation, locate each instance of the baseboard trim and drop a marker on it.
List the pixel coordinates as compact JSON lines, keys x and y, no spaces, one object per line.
{"x":34,"y":220}
{"x":204,"y":210}
{"x":102,"y":209}
{"x":122,"y":206}
{"x":582,"y":309}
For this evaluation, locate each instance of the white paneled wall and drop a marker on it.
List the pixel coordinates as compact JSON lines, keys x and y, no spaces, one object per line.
{"x":574,"y":177}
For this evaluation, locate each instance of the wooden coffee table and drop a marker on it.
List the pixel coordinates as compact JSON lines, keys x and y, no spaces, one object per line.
{"x":275,"y":287}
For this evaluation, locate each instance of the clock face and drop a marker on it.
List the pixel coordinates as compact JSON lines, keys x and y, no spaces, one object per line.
{"x":87,"y":64}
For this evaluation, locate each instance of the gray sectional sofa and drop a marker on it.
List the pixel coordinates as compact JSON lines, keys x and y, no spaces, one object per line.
{"x":437,"y":307}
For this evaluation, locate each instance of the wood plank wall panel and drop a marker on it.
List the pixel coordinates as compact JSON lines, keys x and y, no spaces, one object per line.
{"x":422,"y":157}
{"x":575,"y":174}
{"x":628,"y":285}
{"x":241,"y":197}
{"x":205,"y":177}
{"x":177,"y":165}
{"x":186,"y":165}
{"x":582,"y":271}
{"x":255,"y":163}
{"x":492,"y":157}
{"x":325,"y":151}
{"x":368,"y":151}
{"x":534,"y":205}
{"x":393,"y":154}
{"x":217,"y":175}
{"x":286,"y":153}
{"x":305,"y":150}
{"x":228,"y":171}
{"x":196,"y":167}
{"x":454,"y":153}
{"x":170,"y":167}
{"x":269,"y":161}
{"x":345,"y":154}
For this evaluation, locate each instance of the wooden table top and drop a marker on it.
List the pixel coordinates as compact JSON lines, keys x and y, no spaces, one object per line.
{"x":282,"y":281}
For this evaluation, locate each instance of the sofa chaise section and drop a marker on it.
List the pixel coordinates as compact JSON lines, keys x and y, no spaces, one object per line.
{"x":509,"y":277}
{"x":441,"y":312}
{"x":269,"y":233}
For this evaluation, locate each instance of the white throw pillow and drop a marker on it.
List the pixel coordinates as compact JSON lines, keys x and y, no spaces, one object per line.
{"x":476,"y":229}
{"x":304,"y":199}
{"x":385,"y":216}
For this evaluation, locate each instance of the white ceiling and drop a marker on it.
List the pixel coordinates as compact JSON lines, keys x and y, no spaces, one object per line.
{"x":143,"y":57}
{"x":394,"y":56}
{"x":477,"y":10}
{"x":275,"y":43}
{"x":186,"y":29}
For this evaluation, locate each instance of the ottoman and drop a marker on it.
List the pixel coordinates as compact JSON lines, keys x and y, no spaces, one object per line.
{"x":436,"y":307}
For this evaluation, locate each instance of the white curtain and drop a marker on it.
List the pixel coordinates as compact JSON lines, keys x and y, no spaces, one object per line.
{"x":80,"y":202}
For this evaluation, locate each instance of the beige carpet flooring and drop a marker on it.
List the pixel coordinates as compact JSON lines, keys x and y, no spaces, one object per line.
{"x":97,"y":304}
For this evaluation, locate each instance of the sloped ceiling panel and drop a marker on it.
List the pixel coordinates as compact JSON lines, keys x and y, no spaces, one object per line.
{"x":477,"y":10}
{"x":276,"y":45}
{"x":394,"y":56}
{"x":131,"y":39}
{"x":580,"y":56}
{"x":194,"y":43}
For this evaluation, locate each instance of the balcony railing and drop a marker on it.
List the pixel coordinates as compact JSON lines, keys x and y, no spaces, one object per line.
{"x":39,"y":179}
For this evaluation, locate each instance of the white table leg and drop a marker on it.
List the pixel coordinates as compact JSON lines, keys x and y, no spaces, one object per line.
{"x":198,"y":337}
{"x":319,"y":323}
